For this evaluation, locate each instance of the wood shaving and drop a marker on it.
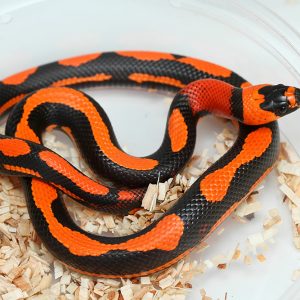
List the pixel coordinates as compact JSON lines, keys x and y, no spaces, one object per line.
{"x":250,"y":206}
{"x":236,"y":255}
{"x":247,"y":260}
{"x":287,"y":152}
{"x":204,"y":296}
{"x":14,"y":295}
{"x":273,"y":219}
{"x":288,"y":168}
{"x":29,"y":271}
{"x":256,"y":239}
{"x":149,"y":200}
{"x":166,"y":282}
{"x":296,"y":275}
{"x":261,"y":257}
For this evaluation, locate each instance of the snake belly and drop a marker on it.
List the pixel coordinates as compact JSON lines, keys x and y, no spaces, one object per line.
{"x":44,"y":91}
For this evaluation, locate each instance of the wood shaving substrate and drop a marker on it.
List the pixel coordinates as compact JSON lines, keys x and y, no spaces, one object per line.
{"x":29,"y":271}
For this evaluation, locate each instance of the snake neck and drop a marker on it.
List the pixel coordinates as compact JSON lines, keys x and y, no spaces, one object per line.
{"x":215,"y":97}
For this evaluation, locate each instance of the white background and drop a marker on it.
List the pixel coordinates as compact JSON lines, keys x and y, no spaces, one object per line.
{"x":261,"y":44}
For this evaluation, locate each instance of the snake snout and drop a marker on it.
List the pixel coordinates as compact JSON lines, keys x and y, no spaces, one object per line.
{"x":297,"y":96}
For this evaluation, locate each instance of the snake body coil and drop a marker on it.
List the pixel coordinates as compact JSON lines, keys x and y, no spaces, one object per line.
{"x":41,"y":97}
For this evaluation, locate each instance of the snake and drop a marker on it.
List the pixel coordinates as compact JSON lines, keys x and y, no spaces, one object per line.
{"x":50,"y":96}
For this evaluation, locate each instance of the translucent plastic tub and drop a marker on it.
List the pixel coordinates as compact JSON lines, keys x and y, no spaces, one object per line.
{"x":240,"y":35}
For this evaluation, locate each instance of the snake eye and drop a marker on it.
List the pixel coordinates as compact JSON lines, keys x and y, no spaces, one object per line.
{"x":282,"y":109}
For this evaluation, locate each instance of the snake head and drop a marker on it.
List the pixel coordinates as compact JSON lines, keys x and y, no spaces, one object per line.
{"x":280,"y":99}
{"x":266,"y":103}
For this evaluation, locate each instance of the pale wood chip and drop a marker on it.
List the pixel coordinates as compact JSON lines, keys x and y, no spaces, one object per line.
{"x":12,"y":229}
{"x":165,"y":297}
{"x":289,"y":152}
{"x":229,"y":144}
{"x":247,"y":208}
{"x":5,"y":217}
{"x":126,"y":292}
{"x":149,"y":200}
{"x":296,"y":275}
{"x":269,"y":233}
{"x":110,"y":282}
{"x":173,"y":197}
{"x":247,"y":260}
{"x":4,"y":209}
{"x":8,"y":266}
{"x":221,"y":148}
{"x":84,"y":282}
{"x":235,"y":254}
{"x":177,"y":179}
{"x":296,"y":215}
{"x":44,"y":283}
{"x":281,"y":179}
{"x":109,"y":221}
{"x":58,"y":270}
{"x":166,"y":282}
{"x":72,"y":287}
{"x":297,"y":242}
{"x":290,"y":194}
{"x":13,"y":295}
{"x":289,"y":168}
{"x":177,"y":296}
{"x":256,"y":239}
{"x":192,"y":180}
{"x":145,"y":280}
{"x":261,"y":257}
{"x":62,"y":290}
{"x":83,"y":293}
{"x":148,"y":296}
{"x":90,"y":227}
{"x":270,"y":222}
{"x":65,"y":279}
{"x":24,"y":228}
{"x":195,"y":172}
{"x":16,"y":272}
{"x":112,"y":295}
{"x":4,"y":230}
{"x":6,"y":184}
{"x":22,"y":283}
{"x":209,"y":264}
{"x":203,"y":295}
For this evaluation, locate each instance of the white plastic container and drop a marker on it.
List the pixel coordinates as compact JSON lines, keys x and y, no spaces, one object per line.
{"x":241,"y":35}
